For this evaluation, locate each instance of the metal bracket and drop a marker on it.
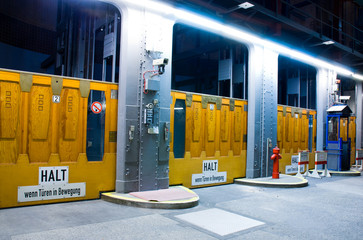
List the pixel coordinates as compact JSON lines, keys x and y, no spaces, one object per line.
{"x":231,"y":104}
{"x":84,"y":88}
{"x":211,"y":99}
{"x":26,"y":82}
{"x":57,"y":85}
{"x":189,"y":99}
{"x":205,"y":100}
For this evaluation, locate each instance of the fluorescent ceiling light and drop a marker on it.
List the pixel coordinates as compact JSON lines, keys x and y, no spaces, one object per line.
{"x":246,"y":5}
{"x":328,"y":42}
{"x":358,"y":76}
{"x":235,"y":33}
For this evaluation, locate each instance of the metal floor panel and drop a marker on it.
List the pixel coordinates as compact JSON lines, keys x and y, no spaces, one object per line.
{"x":219,"y":221}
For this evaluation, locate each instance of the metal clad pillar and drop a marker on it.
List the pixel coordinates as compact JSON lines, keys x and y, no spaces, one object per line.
{"x":358,"y":100}
{"x":142,"y":156}
{"x":262,"y":111}
{"x":323,"y":78}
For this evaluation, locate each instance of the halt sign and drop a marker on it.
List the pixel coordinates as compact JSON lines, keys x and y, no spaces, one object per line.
{"x":53,"y":184}
{"x":96,"y":107}
{"x":210,"y":174}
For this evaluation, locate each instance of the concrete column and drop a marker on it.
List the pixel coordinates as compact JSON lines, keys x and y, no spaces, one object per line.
{"x":358,"y":100}
{"x":142,"y":154}
{"x":262,"y":111}
{"x":324,"y":87}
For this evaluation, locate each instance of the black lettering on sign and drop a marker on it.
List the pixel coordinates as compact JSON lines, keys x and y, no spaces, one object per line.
{"x":210,"y":166}
{"x":40,"y":102}
{"x":45,"y":193}
{"x":70,"y":104}
{"x":8,"y":99}
{"x":57,"y":175}
{"x":30,"y":194}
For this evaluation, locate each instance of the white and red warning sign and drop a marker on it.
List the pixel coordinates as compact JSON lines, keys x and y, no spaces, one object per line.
{"x":96,"y":107}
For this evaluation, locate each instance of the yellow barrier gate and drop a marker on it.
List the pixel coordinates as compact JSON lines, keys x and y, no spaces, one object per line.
{"x":296,"y":129}
{"x":208,"y":139}
{"x":352,"y":129}
{"x":45,"y":150}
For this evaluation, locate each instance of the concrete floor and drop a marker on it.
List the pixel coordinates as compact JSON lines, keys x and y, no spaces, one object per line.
{"x":329,"y":208}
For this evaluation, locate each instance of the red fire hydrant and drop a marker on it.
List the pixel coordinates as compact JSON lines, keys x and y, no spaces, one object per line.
{"x":275,"y":157}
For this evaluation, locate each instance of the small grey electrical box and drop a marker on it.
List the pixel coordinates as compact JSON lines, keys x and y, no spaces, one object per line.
{"x":152,"y":85}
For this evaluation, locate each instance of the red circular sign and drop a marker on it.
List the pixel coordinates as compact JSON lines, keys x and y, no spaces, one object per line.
{"x":96,"y":107}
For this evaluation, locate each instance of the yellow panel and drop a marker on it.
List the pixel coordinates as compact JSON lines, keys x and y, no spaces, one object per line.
{"x":197,"y":120}
{"x":286,"y":145}
{"x":304,"y":127}
{"x":225,"y":123}
{"x":9,"y":121}
{"x":352,"y":136}
{"x":237,"y":124}
{"x":314,"y":131}
{"x":297,"y":127}
{"x":9,"y":109}
{"x":225,"y":138}
{"x":171,"y":138}
{"x":287,"y":127}
{"x":244,"y":126}
{"x":279,"y":127}
{"x":70,"y":142}
{"x":190,"y":145}
{"x":113,"y":122}
{"x":9,"y":76}
{"x":211,"y":125}
{"x":40,"y":112}
{"x":211,"y":122}
{"x":70,"y":109}
{"x":343,"y":129}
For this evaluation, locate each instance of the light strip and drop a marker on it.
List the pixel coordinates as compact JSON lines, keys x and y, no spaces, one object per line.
{"x":238,"y":34}
{"x":357,"y":76}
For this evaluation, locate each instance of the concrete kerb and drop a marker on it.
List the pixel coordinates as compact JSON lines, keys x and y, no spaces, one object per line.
{"x":129,"y":200}
{"x":352,"y":173}
{"x":285,"y":181}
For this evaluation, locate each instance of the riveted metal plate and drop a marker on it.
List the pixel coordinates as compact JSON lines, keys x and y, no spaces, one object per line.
{"x":84,"y":88}
{"x":57,"y":85}
{"x":26,"y":82}
{"x":231,"y":104}
{"x":189,"y":99}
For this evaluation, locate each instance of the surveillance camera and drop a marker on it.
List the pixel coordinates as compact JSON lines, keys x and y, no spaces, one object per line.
{"x":160,"y":61}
